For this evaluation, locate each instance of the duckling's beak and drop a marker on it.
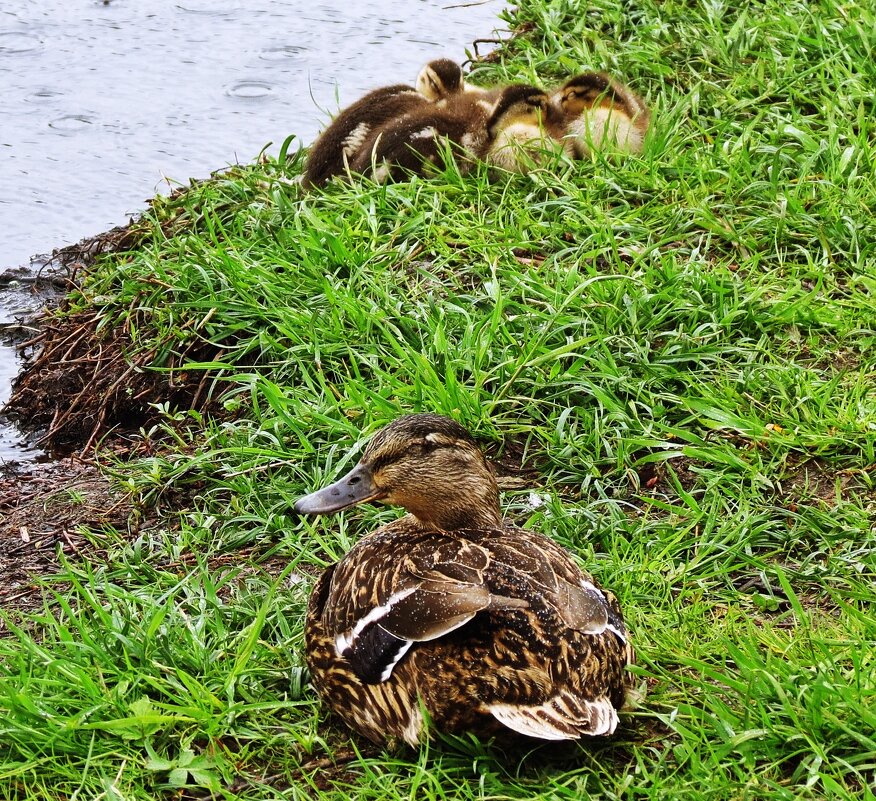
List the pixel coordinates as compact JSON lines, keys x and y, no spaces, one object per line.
{"x":355,"y":487}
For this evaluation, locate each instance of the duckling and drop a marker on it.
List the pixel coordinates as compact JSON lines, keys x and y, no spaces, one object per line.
{"x":338,"y":144}
{"x":449,"y":610}
{"x":440,"y":79}
{"x":523,"y":140}
{"x":469,"y":123}
{"x":602,"y":111}
{"x":341,"y":142}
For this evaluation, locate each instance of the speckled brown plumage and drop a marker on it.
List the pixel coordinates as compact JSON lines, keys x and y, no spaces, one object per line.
{"x":354,"y":127}
{"x":491,"y":628}
{"x":341,"y":142}
{"x":467,"y":125}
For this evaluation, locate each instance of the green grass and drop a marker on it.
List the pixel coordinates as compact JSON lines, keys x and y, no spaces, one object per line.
{"x":680,"y":347}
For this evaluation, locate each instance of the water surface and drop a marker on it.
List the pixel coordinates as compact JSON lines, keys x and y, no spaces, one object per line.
{"x":105,"y":104}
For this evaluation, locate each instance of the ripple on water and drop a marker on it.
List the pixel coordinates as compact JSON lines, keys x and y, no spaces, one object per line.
{"x":282,"y":53}
{"x":43,"y":96}
{"x":71,"y":123}
{"x":249,"y":89}
{"x":208,"y":8}
{"x":15,"y":42}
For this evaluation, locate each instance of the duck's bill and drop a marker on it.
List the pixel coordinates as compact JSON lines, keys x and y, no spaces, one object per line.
{"x":355,"y":487}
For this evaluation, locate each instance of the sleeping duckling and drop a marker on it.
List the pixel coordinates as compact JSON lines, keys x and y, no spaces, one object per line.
{"x":469,"y":123}
{"x":339,"y":144}
{"x":449,"y":610}
{"x":522,"y":141}
{"x":440,"y":79}
{"x":602,"y":112}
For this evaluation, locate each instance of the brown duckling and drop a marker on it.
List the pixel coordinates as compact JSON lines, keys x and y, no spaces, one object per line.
{"x":449,"y":610}
{"x":440,"y":79}
{"x":340,"y":143}
{"x":602,"y":113}
{"x":469,"y":124}
{"x":523,"y":141}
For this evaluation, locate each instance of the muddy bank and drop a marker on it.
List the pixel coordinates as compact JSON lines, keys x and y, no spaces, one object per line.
{"x":43,"y":514}
{"x":24,"y":293}
{"x":82,"y":380}
{"x":78,"y":384}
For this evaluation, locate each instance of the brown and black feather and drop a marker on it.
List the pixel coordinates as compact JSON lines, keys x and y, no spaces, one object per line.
{"x":464,"y":127}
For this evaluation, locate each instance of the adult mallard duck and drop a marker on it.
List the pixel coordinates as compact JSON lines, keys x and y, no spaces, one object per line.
{"x":450,"y":611}
{"x":470,"y":124}
{"x":601,"y":113}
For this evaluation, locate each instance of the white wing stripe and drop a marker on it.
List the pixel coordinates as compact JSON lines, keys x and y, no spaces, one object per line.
{"x":345,"y":641}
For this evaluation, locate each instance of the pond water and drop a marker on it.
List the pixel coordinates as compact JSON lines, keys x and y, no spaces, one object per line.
{"x":108,"y":102}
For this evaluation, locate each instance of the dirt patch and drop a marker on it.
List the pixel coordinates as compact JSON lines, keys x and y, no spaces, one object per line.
{"x":656,"y":478}
{"x":815,"y":480}
{"x":53,"y":509}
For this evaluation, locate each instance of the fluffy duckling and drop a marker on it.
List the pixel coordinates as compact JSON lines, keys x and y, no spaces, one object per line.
{"x":469,"y":123}
{"x":523,"y":140}
{"x":340,"y":143}
{"x":440,"y":79}
{"x":601,"y":112}
{"x":488,"y":628}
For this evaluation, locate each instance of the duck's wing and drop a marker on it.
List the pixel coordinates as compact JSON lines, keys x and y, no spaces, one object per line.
{"x":437,"y":585}
{"x":433,"y":591}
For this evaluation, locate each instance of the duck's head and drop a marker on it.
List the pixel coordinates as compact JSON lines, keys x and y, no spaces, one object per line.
{"x":440,"y":79}
{"x":586,"y":91}
{"x":426,"y":463}
{"x":523,"y":105}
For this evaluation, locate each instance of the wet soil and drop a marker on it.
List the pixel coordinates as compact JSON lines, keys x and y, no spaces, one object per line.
{"x":44,"y":514}
{"x":81,"y":382}
{"x":78,"y":387}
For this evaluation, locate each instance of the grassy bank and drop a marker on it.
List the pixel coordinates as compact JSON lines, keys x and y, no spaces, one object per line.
{"x":673,"y":356}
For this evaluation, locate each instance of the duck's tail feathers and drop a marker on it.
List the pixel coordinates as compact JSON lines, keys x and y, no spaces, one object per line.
{"x":562,"y":717}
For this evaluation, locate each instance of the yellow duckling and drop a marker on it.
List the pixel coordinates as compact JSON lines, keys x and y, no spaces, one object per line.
{"x":339,"y":144}
{"x":469,"y":124}
{"x":523,"y":140}
{"x":602,"y":113}
{"x":488,"y":628}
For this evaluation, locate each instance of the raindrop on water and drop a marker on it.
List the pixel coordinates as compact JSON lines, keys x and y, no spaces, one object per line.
{"x":249,"y":90}
{"x":282,"y":53}
{"x":71,"y":123}
{"x":13,"y":42}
